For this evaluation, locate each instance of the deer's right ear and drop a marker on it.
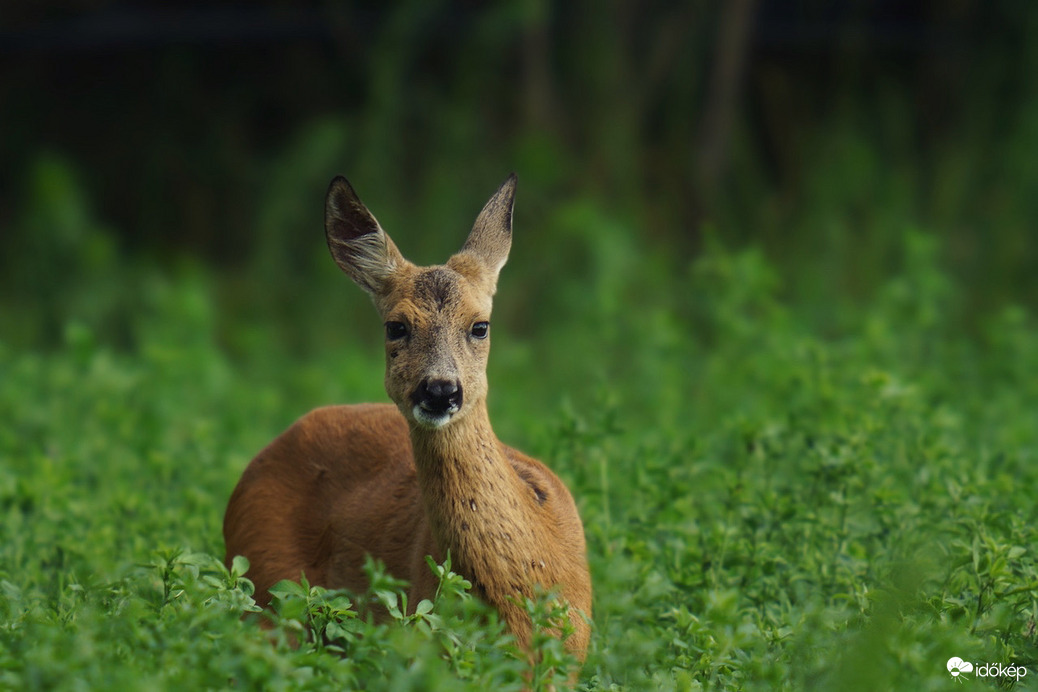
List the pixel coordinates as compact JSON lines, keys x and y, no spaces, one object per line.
{"x":358,"y":244}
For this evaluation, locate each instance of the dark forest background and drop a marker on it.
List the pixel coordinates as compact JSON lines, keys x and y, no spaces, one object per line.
{"x":140,"y":136}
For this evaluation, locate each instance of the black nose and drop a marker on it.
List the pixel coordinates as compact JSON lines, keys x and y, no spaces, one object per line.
{"x":439,"y":396}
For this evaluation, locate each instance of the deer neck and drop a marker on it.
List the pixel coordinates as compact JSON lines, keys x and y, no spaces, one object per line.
{"x":478,"y":506}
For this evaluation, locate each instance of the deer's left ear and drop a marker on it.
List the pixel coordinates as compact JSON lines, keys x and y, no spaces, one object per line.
{"x":491,"y":235}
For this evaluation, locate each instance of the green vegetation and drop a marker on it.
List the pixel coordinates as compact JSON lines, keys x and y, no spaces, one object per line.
{"x":794,"y":395}
{"x":774,"y":496}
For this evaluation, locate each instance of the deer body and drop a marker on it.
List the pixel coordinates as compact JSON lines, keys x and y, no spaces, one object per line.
{"x":427,"y":475}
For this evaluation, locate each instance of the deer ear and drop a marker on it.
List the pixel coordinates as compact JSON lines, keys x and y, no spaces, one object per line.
{"x":491,"y":235}
{"x":358,"y":244}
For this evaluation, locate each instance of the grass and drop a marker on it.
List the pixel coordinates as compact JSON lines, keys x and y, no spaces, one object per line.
{"x":768,"y":505}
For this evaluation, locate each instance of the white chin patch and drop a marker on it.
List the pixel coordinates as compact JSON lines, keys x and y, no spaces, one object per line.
{"x":429,"y":419}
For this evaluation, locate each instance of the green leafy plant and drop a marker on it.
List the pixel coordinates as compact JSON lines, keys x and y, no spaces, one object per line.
{"x":778,"y":492}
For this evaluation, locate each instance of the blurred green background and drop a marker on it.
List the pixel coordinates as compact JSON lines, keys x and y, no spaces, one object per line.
{"x":769,"y":312}
{"x":164,"y":139}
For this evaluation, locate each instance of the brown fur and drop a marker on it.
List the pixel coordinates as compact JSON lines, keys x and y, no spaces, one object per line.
{"x":347,"y":481}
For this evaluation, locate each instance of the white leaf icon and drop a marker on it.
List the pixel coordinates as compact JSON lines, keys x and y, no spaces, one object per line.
{"x":956,"y":665}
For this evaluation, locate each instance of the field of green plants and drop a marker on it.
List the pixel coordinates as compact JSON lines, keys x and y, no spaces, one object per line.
{"x":783,"y":486}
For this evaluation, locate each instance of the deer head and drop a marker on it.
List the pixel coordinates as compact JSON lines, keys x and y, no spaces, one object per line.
{"x":437,"y":319}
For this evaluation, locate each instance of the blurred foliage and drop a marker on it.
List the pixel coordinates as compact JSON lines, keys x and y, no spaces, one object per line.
{"x":215,"y":132}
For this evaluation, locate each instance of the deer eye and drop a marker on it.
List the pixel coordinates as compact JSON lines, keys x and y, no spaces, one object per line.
{"x":480,"y":330}
{"x":395,"y":330}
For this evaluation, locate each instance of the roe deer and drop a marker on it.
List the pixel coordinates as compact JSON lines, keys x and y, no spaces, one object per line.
{"x":428,"y":475}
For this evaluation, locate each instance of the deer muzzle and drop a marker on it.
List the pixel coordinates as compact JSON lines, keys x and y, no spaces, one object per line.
{"x":435,"y":401}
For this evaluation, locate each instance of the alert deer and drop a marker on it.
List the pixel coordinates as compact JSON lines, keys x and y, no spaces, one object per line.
{"x":427,"y":475}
